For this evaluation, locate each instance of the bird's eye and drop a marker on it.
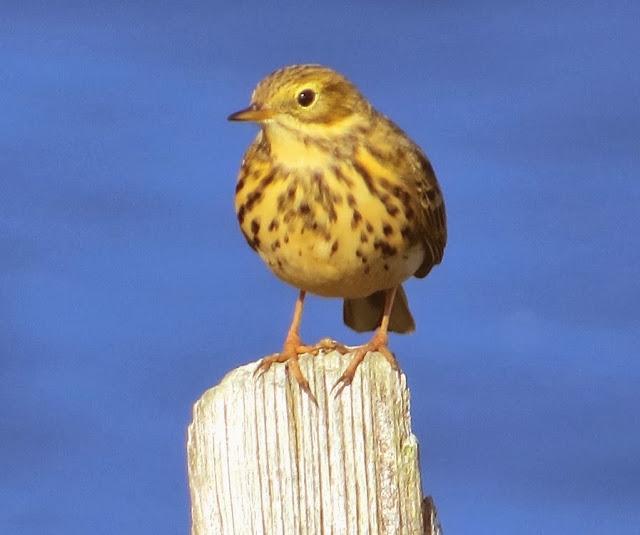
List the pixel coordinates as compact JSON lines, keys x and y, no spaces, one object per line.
{"x":306,"y":97}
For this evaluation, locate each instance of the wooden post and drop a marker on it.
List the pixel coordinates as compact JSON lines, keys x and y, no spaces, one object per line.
{"x":263,"y":459}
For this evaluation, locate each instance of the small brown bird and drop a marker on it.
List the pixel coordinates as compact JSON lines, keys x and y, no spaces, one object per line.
{"x":339,"y":202}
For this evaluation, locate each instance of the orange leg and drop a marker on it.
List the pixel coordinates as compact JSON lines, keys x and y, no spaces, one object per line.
{"x":377,"y":343}
{"x":291,"y":350}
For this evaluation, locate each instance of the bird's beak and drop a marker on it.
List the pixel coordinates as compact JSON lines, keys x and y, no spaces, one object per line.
{"x":253,"y":113}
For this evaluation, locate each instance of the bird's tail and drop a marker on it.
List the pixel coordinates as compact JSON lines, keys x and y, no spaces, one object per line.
{"x":365,"y":314}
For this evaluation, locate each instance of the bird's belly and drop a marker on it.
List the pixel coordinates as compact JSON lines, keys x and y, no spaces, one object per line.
{"x":332,"y":237}
{"x":339,"y":263}
{"x":349,"y":279}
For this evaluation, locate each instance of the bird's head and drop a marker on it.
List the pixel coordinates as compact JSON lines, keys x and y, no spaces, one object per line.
{"x":303,"y":96}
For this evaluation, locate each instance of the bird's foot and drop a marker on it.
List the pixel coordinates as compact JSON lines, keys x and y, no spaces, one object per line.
{"x":327,"y":345}
{"x":291,"y":351}
{"x":377,"y":344}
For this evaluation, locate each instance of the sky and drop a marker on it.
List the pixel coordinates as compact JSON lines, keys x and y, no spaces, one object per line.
{"x":126,"y":288}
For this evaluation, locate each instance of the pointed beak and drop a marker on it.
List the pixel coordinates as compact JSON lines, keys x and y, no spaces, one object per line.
{"x":253,"y":113}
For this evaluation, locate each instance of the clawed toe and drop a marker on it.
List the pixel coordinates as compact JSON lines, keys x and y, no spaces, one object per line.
{"x":375,"y":345}
{"x":388,"y":354}
{"x":349,"y":373}
{"x":326,"y":345}
{"x":292,"y":350}
{"x":290,"y":356}
{"x":264,"y":365}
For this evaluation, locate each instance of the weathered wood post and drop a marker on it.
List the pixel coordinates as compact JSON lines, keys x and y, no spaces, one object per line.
{"x":263,"y":459}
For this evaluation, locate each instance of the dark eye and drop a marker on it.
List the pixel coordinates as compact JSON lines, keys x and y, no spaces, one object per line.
{"x":306,"y":97}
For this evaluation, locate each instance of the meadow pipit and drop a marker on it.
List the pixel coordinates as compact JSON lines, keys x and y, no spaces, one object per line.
{"x":339,"y":202}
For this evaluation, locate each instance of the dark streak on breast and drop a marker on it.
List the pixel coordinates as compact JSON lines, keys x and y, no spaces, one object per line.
{"x":365,"y":176}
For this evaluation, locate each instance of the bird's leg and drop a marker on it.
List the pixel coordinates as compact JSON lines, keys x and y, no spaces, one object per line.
{"x":291,"y":350}
{"x":377,"y":343}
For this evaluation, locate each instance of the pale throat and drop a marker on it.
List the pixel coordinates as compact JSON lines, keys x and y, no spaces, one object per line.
{"x":305,"y":146}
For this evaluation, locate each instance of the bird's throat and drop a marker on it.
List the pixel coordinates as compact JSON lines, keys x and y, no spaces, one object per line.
{"x":311,"y":146}
{"x":295,"y":150}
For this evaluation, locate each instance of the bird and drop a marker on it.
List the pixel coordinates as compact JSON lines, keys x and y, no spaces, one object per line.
{"x":339,"y":202}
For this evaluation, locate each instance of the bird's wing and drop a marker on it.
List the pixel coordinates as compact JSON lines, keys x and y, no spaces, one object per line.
{"x":432,"y":217}
{"x":419,"y":190}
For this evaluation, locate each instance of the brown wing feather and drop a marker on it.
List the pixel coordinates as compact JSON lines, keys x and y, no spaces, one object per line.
{"x":413,"y":167}
{"x":433,"y":217}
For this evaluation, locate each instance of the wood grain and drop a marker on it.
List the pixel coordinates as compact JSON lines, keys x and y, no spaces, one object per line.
{"x":263,"y":459}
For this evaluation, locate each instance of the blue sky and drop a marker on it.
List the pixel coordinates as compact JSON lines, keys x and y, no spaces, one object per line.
{"x":126,"y":288}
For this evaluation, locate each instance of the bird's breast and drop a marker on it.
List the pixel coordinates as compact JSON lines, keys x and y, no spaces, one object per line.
{"x":323,"y":226}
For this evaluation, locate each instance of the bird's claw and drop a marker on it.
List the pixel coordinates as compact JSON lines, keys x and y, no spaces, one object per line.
{"x":391,"y":358}
{"x":289,"y":356}
{"x":343,"y":381}
{"x":264,"y":365}
{"x":377,"y":344}
{"x":326,"y":345}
